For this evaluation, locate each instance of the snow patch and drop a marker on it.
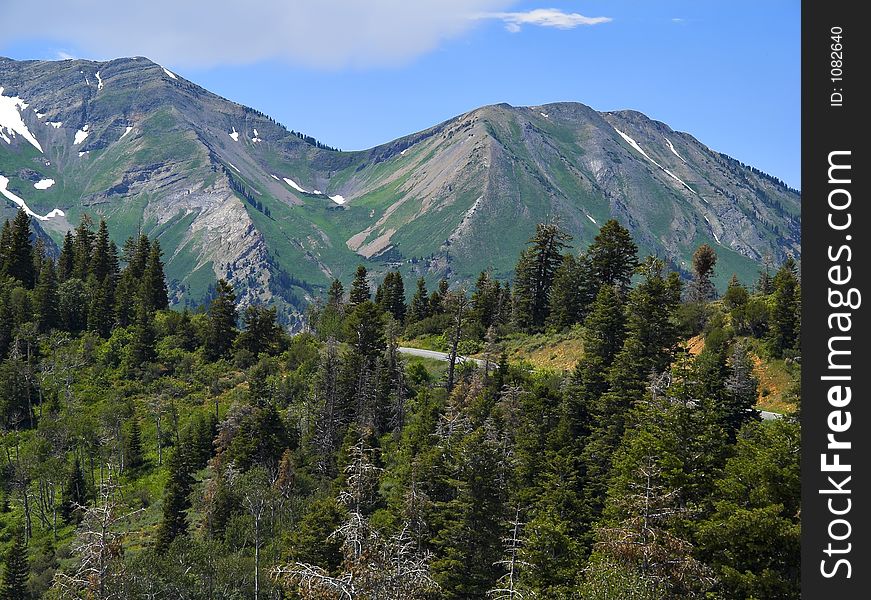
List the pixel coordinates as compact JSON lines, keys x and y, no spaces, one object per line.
{"x":99,"y":81}
{"x":4,"y":183}
{"x":708,"y":221}
{"x":256,"y":137}
{"x":592,"y":219}
{"x":671,"y":147}
{"x":39,"y":115}
{"x":55,"y":124}
{"x":126,"y":131}
{"x":235,"y":135}
{"x":275,"y":177}
{"x":234,"y":166}
{"x":81,"y":154}
{"x":641,"y":151}
{"x":294,"y":185}
{"x":402,"y":153}
{"x":318,"y":192}
{"x":11,"y":123}
{"x":43,"y":184}
{"x":338,"y":199}
{"x":635,"y":145}
{"x":81,"y":135}
{"x":545,"y":115}
{"x":170,"y":73}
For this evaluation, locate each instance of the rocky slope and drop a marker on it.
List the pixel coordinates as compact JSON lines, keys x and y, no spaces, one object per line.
{"x":231,"y":193}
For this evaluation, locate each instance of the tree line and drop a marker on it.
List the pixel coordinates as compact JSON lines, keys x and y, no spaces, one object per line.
{"x":155,"y":453}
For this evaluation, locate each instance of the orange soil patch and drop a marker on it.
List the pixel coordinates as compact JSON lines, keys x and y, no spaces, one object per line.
{"x":765,"y":380}
{"x":696,"y":344}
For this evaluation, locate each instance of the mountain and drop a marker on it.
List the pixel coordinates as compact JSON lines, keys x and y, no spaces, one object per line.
{"x":231,"y":193}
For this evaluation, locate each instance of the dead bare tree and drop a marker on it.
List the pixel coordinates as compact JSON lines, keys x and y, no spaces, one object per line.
{"x":642,"y":540}
{"x":508,"y":587}
{"x":457,"y":303}
{"x":98,"y":547}
{"x":372,"y":567}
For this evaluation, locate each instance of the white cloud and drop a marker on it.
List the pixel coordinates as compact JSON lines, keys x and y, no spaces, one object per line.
{"x":543,"y":17}
{"x":198,"y":33}
{"x":64,"y":55}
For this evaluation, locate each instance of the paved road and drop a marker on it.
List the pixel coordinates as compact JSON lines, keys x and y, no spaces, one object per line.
{"x":435,"y":355}
{"x":768,"y":416}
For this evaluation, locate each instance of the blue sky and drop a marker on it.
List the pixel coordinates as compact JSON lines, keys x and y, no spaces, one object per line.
{"x":355,"y":74}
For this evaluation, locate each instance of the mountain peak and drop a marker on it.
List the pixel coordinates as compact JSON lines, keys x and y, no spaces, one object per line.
{"x":231,"y":193}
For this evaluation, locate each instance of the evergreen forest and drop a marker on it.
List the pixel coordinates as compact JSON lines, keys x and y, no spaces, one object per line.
{"x":154,"y":453}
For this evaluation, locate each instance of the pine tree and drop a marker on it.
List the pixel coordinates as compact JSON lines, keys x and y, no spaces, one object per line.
{"x":142,"y":348}
{"x":753,"y":538}
{"x":395,"y":300}
{"x":136,"y":253}
{"x":534,"y":275}
{"x":176,"y":501}
{"x":7,"y":321}
{"x":651,"y":338}
{"x":126,"y":294}
{"x":741,"y":387}
{"x":39,"y":257}
{"x":153,"y":291}
{"x":785,"y":324}
{"x":736,"y":296}
{"x":336,"y":295}
{"x":764,"y":284}
{"x":704,"y":261}
{"x":390,"y":296}
{"x":379,"y":292}
{"x":101,"y":316}
{"x":419,"y":308}
{"x":485,"y":300}
{"x":101,"y":265}
{"x":650,"y":313}
{"x":45,"y":297}
{"x":66,"y":260}
{"x":17,"y":570}
{"x":262,"y":332}
{"x":19,"y":254}
{"x":604,"y":333}
{"x":73,"y":305}
{"x":82,"y":248}
{"x":437,"y":298}
{"x":359,"y":287}
{"x":5,"y":245}
{"x":114,"y":269}
{"x":468,"y":543}
{"x":506,"y":304}
{"x":613,"y":256}
{"x":572,"y":292}
{"x":133,"y":456}
{"x":74,"y":493}
{"x":365,"y":330}
{"x":221,"y":331}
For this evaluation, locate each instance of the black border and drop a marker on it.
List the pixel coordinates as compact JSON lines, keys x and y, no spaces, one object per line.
{"x":827,"y":128}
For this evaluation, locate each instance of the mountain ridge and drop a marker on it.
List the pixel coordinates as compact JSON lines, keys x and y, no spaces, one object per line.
{"x":232,"y":193}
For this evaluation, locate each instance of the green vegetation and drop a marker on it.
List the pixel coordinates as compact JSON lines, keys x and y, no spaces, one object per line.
{"x":156,"y":453}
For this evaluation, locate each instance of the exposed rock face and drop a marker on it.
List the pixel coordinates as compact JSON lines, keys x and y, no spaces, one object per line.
{"x":230,"y":193}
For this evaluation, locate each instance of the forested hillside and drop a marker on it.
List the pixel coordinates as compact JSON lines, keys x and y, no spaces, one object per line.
{"x":152,"y":453}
